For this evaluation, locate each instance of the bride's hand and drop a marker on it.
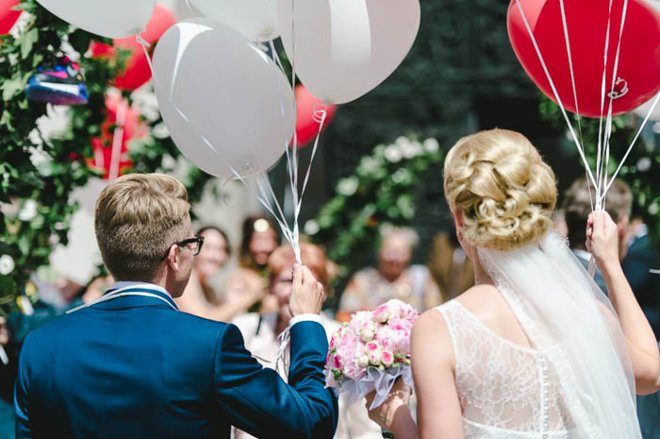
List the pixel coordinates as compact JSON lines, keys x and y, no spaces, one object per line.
{"x":603,"y":238}
{"x":398,"y":399}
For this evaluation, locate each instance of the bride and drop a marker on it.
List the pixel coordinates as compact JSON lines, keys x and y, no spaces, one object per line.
{"x":534,"y":349}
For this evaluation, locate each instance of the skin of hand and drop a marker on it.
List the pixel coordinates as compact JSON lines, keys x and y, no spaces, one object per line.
{"x":398,"y":399}
{"x":603,"y":238}
{"x":307,"y":294}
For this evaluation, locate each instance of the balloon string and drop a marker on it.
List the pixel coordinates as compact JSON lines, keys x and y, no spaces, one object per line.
{"x":601,"y":132}
{"x":555,"y":92}
{"x":612,"y":95}
{"x":321,"y":112}
{"x":264,"y":200}
{"x":632,"y":144}
{"x":569,"y":55}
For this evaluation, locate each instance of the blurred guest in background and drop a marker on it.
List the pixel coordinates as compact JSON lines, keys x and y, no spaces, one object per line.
{"x":201,"y":296}
{"x":577,"y":207}
{"x":394,"y":278}
{"x":260,"y":239}
{"x":261,"y":331}
{"x":640,"y":267}
{"x":641,"y":259}
{"x":219,"y":294}
{"x":449,"y":266}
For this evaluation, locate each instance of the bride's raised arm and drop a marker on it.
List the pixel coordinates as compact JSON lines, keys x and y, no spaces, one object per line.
{"x":641,"y":342}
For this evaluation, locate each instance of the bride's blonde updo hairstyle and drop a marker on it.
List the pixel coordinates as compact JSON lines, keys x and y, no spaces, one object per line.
{"x":502,"y":187}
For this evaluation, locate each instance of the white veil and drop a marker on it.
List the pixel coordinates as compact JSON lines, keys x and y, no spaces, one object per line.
{"x":570,"y":321}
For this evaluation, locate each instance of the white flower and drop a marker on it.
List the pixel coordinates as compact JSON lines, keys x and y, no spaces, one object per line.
{"x":363,"y":360}
{"x":644,"y":164}
{"x":409,"y":149}
{"x":28,"y":211}
{"x":147,"y":104}
{"x":347,"y":186}
{"x":368,"y":166}
{"x":431,"y":145}
{"x":160,"y":131}
{"x":402,"y":175}
{"x":393,"y":154}
{"x":168,"y":162}
{"x":6,"y":265}
{"x":311,"y":227}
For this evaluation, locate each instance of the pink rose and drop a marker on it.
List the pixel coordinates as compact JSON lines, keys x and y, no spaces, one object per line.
{"x":381,"y":314}
{"x":353,"y":370}
{"x":336,"y":362}
{"x":374,"y":358}
{"x":373,"y":346}
{"x":387,"y":358}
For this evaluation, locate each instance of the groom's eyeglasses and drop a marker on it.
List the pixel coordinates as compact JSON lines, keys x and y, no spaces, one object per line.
{"x":194,"y":244}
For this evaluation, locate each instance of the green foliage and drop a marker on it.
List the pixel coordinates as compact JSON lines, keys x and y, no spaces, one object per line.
{"x":380,"y":191}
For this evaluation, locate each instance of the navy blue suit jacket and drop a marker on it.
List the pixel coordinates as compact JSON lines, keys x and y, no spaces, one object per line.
{"x":134,"y":367}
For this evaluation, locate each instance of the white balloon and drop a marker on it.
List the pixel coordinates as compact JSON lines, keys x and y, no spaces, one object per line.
{"x":256,"y":19}
{"x":644,"y":109}
{"x":345,"y":48}
{"x":107,"y":18}
{"x":227,"y":106}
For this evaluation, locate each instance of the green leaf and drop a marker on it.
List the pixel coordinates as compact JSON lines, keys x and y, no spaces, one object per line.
{"x":10,"y":88}
{"x":27,"y":41}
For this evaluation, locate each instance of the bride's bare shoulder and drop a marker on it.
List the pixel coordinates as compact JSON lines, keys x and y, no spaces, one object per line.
{"x":484,"y":301}
{"x":431,"y":330}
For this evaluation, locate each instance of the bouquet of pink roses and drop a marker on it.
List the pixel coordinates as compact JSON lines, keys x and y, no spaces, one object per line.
{"x":370,"y":352}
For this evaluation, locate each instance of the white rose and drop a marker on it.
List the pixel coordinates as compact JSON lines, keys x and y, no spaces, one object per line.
{"x":6,"y":264}
{"x":644,"y":164}
{"x":367,"y":334}
{"x":431,"y":145}
{"x":393,"y":154}
{"x":363,"y":360}
{"x":311,"y":227}
{"x":28,"y":211}
{"x":347,"y":186}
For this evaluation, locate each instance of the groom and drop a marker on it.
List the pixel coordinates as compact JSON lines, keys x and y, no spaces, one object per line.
{"x":132,"y":366}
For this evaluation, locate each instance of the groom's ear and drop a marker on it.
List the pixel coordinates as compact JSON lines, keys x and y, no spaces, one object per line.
{"x":172,"y":259}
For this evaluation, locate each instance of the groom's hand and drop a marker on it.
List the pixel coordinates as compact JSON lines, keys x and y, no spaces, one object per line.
{"x":307,"y":294}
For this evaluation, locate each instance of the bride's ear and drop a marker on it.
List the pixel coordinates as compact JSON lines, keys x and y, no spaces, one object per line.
{"x":458,"y":220}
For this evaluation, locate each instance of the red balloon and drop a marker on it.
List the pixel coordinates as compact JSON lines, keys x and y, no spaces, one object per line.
{"x":103,"y":145}
{"x":8,"y":16}
{"x":307,"y":122}
{"x":137,"y":71}
{"x":639,"y":59}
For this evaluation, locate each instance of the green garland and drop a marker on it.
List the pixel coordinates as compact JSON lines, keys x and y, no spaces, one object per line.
{"x":38,"y":176}
{"x":380,"y":191}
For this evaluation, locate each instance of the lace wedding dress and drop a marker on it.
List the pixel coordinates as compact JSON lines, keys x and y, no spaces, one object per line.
{"x":505,"y":390}
{"x":576,"y":382}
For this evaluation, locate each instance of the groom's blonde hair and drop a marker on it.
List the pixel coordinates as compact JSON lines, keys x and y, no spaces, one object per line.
{"x":138,"y":218}
{"x":503,"y":189}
